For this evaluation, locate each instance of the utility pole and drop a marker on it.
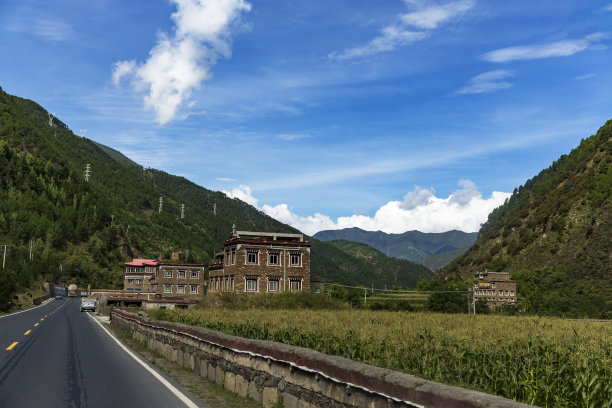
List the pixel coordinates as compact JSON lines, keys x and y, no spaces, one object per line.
{"x":31,"y":245}
{"x":161,"y":203}
{"x":215,"y":240}
{"x":182,"y":211}
{"x":4,"y":256}
{"x":87,"y":172}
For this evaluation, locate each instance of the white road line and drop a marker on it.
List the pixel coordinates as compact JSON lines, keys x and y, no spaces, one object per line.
{"x":155,"y":374}
{"x":27,"y":310}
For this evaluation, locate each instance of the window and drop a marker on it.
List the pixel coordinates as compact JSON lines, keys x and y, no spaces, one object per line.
{"x":295,"y":285}
{"x":273,"y":258}
{"x":273,"y":285}
{"x":295,"y":259}
{"x":168,"y":274}
{"x":227,"y":257}
{"x":233,"y":256}
{"x":180,"y":289}
{"x":138,"y":281}
{"x":167,"y":288}
{"x":250,"y":284}
{"x":130,"y":281}
{"x":181,"y":274}
{"x":193,"y":288}
{"x":232,"y":282}
{"x":252,"y":257}
{"x":194,"y":274}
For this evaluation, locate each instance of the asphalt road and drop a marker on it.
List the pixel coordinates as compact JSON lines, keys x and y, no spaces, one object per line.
{"x":57,"y":356}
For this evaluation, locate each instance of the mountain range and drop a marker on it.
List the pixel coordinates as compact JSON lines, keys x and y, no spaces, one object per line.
{"x":433,"y":250}
{"x":62,"y":228}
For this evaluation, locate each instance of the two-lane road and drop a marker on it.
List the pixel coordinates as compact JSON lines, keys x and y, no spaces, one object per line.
{"x":57,"y":356}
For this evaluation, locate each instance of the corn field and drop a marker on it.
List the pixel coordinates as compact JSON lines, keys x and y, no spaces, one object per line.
{"x":548,"y":362}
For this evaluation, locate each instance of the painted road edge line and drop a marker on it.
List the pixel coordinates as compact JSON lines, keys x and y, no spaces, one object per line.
{"x":155,"y":374}
{"x":27,"y":310}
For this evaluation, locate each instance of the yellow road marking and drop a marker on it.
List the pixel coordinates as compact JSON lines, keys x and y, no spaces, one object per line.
{"x":36,"y":324}
{"x":26,"y":333}
{"x":12,"y":345}
{"x":42,"y":319}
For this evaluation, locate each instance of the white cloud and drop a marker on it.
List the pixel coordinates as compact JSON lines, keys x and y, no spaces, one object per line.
{"x":291,"y":137}
{"x":242,"y":193}
{"x":488,"y":82}
{"x":178,"y":64}
{"x":585,"y":76}
{"x":45,"y":27}
{"x":608,"y":7}
{"x":408,"y":28}
{"x":421,"y":210}
{"x":562,"y":48}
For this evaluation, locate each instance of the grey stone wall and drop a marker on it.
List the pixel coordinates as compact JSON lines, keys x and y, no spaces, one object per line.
{"x":305,"y":378}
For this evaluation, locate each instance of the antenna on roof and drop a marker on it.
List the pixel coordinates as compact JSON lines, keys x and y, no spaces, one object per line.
{"x":51,"y":115}
{"x":82,"y":132}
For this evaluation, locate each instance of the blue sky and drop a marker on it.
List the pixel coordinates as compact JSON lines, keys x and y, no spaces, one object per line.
{"x":391,"y":115}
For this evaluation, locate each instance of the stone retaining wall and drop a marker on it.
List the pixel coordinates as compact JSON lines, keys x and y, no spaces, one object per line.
{"x":265,"y":370}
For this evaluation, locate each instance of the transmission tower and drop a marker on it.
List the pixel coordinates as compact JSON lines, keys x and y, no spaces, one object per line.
{"x":182,"y":211}
{"x":31,"y":246}
{"x":4,"y":250}
{"x":87,"y":172}
{"x":161,"y":203}
{"x":82,"y":132}
{"x":51,"y":115}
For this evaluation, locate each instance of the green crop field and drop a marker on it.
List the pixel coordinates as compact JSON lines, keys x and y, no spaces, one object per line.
{"x":548,"y":362}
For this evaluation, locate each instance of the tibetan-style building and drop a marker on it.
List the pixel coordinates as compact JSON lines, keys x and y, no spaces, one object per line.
{"x":262,"y":262}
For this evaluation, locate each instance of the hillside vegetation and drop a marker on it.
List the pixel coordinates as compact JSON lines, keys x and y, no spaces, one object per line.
{"x":554,"y":235}
{"x":82,"y":231}
{"x":389,"y":271}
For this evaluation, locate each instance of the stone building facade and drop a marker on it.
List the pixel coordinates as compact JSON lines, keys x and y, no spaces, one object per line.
{"x":165,"y":280}
{"x":495,"y":287}
{"x":262,"y":262}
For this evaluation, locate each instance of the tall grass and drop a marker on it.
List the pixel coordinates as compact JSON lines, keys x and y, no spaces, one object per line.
{"x":548,"y":362}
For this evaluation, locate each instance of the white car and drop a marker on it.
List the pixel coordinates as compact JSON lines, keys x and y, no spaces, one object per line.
{"x":88,"y":304}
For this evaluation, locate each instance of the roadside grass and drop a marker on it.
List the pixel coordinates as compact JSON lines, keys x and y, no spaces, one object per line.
{"x":208,"y":391}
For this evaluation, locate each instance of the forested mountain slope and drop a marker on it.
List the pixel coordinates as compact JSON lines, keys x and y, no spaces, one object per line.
{"x":82,"y":231}
{"x":389,"y":271}
{"x":555,"y":234}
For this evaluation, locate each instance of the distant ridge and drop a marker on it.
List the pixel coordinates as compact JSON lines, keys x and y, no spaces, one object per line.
{"x":433,"y":250}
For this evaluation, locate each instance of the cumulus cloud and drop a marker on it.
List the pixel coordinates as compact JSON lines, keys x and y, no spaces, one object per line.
{"x":562,"y":48}
{"x":465,"y":209}
{"x":488,"y":82}
{"x":179,"y":63}
{"x":409,"y":27}
{"x":242,"y":193}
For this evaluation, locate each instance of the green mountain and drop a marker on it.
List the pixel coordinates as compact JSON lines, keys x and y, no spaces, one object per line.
{"x":389,"y":271}
{"x":82,"y":231}
{"x":555,"y":235}
{"x":414,"y":246}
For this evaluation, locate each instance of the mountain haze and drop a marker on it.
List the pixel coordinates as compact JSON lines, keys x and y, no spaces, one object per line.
{"x":414,"y":246}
